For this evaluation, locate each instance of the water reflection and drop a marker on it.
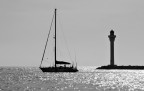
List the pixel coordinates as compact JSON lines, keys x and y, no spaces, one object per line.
{"x":32,"y":79}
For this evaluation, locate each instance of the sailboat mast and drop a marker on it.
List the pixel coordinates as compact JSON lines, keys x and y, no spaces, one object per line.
{"x":55,"y":38}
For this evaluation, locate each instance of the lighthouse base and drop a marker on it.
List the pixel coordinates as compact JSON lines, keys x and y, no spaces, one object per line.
{"x":129,"y":67}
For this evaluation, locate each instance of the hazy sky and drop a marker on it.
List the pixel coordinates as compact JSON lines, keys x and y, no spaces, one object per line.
{"x":24,"y":25}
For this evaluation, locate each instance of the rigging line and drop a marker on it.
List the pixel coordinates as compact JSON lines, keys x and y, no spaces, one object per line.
{"x":75,"y":58}
{"x":47,"y":39}
{"x":65,"y":40}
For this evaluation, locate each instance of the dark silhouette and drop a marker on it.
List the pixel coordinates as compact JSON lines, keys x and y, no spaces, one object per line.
{"x":59,"y":66}
{"x":136,"y":67}
{"x":112,"y":39}
{"x":112,"y":65}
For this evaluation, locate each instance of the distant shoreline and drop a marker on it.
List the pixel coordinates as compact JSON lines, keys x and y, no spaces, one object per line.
{"x":129,"y":67}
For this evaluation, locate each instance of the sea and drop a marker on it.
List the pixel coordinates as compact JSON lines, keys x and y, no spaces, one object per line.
{"x":87,"y":79}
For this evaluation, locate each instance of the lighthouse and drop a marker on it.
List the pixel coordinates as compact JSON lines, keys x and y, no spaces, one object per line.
{"x":112,"y":39}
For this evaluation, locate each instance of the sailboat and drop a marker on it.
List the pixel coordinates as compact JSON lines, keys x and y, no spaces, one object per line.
{"x":59,"y":66}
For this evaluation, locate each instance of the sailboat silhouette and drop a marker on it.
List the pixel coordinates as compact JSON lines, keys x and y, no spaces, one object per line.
{"x":64,"y":66}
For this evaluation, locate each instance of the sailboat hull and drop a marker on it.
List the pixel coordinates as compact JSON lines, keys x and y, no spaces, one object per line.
{"x":58,"y":69}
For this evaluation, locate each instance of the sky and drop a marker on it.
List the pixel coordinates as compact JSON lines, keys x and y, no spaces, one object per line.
{"x":86,"y":24}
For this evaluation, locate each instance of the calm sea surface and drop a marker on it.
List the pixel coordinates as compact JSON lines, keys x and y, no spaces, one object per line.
{"x":88,"y":79}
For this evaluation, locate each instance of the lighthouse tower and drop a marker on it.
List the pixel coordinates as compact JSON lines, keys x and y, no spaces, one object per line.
{"x":112,"y":39}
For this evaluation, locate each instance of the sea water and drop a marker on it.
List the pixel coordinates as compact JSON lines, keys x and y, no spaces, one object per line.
{"x":87,"y":79}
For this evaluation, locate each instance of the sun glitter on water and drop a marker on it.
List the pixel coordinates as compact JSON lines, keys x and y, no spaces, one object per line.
{"x":88,"y":79}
